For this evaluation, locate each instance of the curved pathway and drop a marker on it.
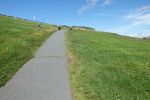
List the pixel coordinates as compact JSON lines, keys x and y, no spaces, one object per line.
{"x":45,"y":77}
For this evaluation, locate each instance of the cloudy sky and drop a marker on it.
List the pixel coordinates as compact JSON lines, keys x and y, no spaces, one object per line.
{"x":127,"y":17}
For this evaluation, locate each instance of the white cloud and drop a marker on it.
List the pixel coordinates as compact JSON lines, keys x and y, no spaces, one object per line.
{"x":141,"y":15}
{"x":89,"y":4}
{"x":93,"y":3}
{"x":106,"y":2}
{"x":138,"y":23}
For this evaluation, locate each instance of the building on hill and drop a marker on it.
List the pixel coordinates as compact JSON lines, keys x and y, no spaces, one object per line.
{"x":83,"y":28}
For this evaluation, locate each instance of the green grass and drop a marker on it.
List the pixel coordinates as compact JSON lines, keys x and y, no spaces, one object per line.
{"x":106,"y":66}
{"x":18,"y":41}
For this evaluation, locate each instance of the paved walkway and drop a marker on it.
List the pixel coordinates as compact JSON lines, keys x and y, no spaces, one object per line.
{"x":44,"y":77}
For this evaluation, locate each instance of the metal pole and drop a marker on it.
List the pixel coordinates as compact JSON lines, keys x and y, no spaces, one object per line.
{"x":34,"y":18}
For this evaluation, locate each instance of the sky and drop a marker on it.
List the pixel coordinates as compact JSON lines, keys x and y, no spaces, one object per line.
{"x":126,"y":17}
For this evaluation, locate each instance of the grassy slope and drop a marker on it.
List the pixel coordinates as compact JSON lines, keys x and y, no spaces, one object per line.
{"x":105,"y":66}
{"x":18,"y":41}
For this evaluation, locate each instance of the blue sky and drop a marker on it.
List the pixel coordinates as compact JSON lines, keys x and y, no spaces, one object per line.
{"x":127,"y":17}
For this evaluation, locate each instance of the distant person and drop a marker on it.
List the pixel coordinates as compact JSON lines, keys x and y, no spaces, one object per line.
{"x":70,"y":29}
{"x":58,"y":28}
{"x":40,"y":25}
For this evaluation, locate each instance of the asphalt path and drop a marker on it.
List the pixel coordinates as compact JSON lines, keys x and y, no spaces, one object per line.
{"x":44,"y":77}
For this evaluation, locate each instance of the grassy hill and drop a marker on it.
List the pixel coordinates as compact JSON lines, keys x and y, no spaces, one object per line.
{"x":18,"y":41}
{"x":106,"y":66}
